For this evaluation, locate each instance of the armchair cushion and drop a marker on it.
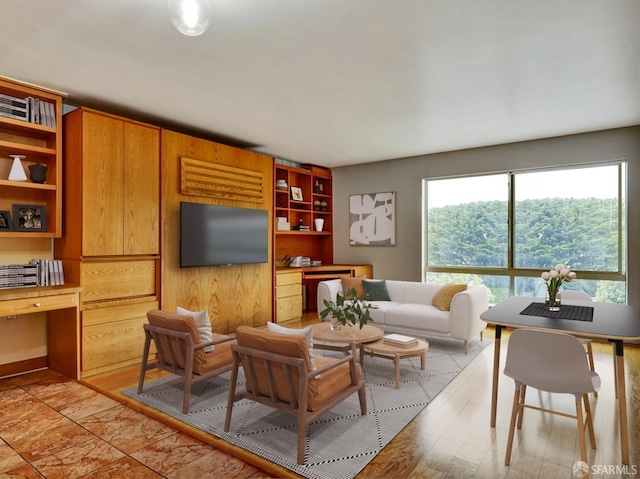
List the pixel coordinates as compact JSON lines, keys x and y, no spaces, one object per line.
{"x":203,"y":323}
{"x":182,"y":323}
{"x":307,"y":333}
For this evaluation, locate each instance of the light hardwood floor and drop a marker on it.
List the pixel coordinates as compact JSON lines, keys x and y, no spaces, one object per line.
{"x":452,"y":438}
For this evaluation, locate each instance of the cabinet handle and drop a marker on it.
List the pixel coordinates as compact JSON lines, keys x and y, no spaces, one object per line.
{"x":37,"y":305}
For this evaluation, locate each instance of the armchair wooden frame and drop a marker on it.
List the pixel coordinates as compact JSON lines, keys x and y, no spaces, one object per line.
{"x":297,"y":404}
{"x":182,"y":352}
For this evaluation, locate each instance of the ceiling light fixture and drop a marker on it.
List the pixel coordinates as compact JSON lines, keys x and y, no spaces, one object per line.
{"x":190,"y":17}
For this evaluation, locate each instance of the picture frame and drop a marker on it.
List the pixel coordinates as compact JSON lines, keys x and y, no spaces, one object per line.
{"x":30,"y":218}
{"x":296,"y":193}
{"x":5,"y":221}
{"x":372,"y":219}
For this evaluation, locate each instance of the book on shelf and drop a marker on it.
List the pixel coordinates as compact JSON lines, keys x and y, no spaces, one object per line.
{"x":400,"y":340}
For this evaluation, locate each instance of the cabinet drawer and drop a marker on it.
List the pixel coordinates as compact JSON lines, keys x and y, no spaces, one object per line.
{"x":112,"y":336}
{"x":289,"y":308}
{"x":42,"y":303}
{"x":288,"y":278}
{"x":118,"y":279}
{"x":288,"y":290}
{"x":117,"y":313}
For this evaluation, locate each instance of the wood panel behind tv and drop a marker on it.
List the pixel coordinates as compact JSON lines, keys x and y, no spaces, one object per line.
{"x":233,"y":295}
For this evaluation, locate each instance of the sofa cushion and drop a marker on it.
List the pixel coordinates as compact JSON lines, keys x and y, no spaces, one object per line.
{"x":376,"y":289}
{"x":354,"y":282}
{"x":442,"y":299}
{"x":417,"y":316}
{"x":380,"y":308}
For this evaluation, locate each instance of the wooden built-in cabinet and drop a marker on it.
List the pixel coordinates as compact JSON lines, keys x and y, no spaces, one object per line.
{"x":316,"y":186}
{"x":111,"y":237}
{"x":40,"y":144}
{"x":288,"y":295}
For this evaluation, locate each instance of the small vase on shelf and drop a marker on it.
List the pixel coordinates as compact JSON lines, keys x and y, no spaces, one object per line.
{"x":17,"y":170}
{"x":38,"y":173}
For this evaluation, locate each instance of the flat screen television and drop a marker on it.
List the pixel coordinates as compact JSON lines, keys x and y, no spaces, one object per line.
{"x":212,"y":235}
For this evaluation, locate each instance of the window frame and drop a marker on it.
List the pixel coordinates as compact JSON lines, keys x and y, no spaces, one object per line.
{"x":511,"y":271}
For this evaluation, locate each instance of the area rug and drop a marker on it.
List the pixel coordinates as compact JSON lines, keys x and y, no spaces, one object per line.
{"x":342,"y":441}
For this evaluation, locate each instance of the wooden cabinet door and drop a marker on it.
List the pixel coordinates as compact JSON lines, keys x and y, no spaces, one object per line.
{"x":141,"y":189}
{"x":102,"y":186}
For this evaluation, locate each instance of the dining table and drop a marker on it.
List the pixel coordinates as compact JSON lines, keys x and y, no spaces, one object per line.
{"x":611,"y":322}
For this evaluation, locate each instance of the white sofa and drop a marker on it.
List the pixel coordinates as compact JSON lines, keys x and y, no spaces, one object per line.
{"x":410,"y":310}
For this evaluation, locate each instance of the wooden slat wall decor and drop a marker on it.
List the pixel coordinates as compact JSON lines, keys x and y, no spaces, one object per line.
{"x":203,"y":178}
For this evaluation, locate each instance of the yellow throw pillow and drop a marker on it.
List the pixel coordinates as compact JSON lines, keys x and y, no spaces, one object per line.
{"x":442,"y":298}
{"x":354,"y":282}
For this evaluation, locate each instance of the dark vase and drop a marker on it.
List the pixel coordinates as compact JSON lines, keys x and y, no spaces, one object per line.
{"x":38,"y":173}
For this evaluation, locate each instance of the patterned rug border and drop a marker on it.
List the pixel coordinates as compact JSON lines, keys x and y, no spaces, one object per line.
{"x":343,"y":441}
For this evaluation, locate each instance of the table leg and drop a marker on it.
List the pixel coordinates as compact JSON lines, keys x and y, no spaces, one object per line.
{"x":396,"y":361}
{"x":423,"y":360}
{"x":496,"y":373}
{"x":622,"y":401}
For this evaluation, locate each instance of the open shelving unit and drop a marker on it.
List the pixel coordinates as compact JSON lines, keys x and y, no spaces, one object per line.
{"x":40,"y":144}
{"x":316,"y":186}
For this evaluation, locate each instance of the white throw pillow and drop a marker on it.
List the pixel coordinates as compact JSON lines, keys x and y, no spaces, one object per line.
{"x":306,"y":332}
{"x":203,"y":323}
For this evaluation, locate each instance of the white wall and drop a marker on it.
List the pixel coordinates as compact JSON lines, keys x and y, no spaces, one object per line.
{"x":404,"y":176}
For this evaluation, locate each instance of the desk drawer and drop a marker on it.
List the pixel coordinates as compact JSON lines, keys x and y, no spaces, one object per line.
{"x":289,"y":308}
{"x":288,"y":290}
{"x":41,"y":303}
{"x":292,"y":277}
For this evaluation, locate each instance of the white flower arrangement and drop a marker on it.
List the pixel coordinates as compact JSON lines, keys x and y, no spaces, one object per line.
{"x":555,"y":277}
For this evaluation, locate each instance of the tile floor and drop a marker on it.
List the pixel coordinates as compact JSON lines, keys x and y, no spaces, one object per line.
{"x":53,"y":427}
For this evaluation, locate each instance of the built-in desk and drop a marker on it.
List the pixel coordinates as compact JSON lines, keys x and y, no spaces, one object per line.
{"x":63,"y":321}
{"x":311,"y":276}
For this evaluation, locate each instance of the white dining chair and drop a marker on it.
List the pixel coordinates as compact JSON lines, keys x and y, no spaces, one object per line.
{"x":552,"y":362}
{"x":582,"y":296}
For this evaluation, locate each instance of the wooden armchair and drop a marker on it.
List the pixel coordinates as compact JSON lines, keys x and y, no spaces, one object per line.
{"x":180,"y":351}
{"x":279,"y":374}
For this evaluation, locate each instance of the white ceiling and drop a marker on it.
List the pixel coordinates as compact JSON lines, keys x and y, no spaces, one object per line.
{"x":338,"y":82}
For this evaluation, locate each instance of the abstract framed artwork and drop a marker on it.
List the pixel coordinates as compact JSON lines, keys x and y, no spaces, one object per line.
{"x":372,"y":219}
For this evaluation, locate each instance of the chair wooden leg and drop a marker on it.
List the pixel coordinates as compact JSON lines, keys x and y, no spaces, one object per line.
{"x":581,"y":435}
{"x":512,"y":425}
{"x":592,"y":365}
{"x":589,"y":421}
{"x":143,"y":366}
{"x":302,"y":435}
{"x":615,"y":368}
{"x":362,"y":396}
{"x":232,"y":394}
{"x":523,"y":392}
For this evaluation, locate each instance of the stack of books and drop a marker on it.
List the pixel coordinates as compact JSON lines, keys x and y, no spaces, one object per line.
{"x":399,"y":340}
{"x":50,"y":272}
{"x":33,"y":110}
{"x":18,"y":276}
{"x":39,"y":272}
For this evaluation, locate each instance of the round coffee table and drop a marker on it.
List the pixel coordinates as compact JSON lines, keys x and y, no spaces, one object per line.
{"x":351,"y":336}
{"x":381,"y":349}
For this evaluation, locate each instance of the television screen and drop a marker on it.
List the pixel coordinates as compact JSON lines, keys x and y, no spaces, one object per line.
{"x":212,"y":235}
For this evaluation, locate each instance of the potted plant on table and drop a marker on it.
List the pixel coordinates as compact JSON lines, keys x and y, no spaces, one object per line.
{"x":352,"y":310}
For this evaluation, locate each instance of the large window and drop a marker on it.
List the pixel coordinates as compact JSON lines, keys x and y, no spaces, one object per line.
{"x":503,"y":230}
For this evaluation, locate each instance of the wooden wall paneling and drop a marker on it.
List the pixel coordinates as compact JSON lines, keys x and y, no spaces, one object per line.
{"x":233,"y":295}
{"x":141,"y":185}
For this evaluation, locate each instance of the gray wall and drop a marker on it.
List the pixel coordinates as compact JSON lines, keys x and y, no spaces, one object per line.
{"x":404,"y":176}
